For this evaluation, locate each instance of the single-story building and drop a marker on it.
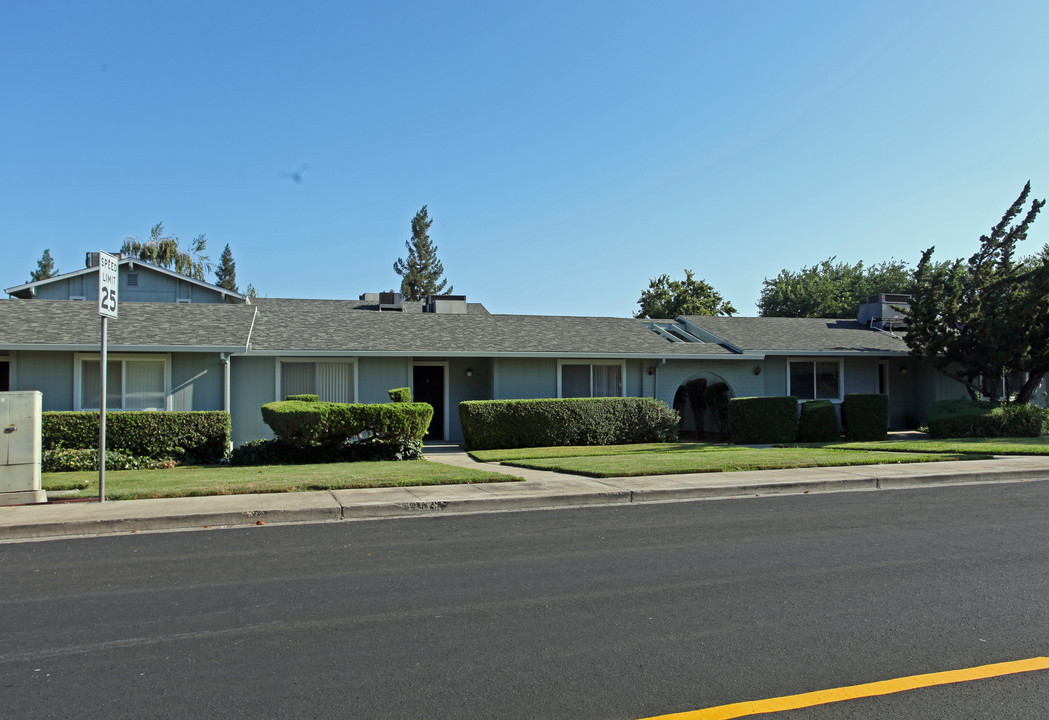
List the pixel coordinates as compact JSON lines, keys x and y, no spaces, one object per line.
{"x":184,"y":344}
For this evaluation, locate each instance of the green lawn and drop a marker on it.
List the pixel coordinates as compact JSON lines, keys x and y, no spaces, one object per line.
{"x":992,"y":446}
{"x":579,"y":450}
{"x":227,"y":480}
{"x":718,"y":458}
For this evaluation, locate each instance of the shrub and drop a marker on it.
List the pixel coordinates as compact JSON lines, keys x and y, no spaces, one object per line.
{"x":865,"y":416}
{"x":1022,"y":420}
{"x":972,"y":418}
{"x":303,"y":398}
{"x":276,"y":452}
{"x":761,"y":420}
{"x":192,"y":437}
{"x":403,"y":395}
{"x":489,"y":424}
{"x":303,"y":424}
{"x":73,"y":459}
{"x":818,"y":422}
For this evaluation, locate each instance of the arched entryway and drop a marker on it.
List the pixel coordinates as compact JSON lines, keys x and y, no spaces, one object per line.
{"x":706,"y":394}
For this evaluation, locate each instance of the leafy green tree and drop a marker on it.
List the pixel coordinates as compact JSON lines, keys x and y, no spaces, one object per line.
{"x":421,"y":272}
{"x":977,"y":321}
{"x":164,"y":251}
{"x":666,"y":298}
{"x":226,"y":272}
{"x":830,"y":289}
{"x":45,"y":268}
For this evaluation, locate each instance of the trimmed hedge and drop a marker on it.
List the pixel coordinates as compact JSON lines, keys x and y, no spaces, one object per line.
{"x":186,"y":437}
{"x":818,"y":422}
{"x":73,"y":459}
{"x":400,"y":395}
{"x":865,"y":416}
{"x":763,"y":420}
{"x":304,"y":398}
{"x":303,"y":424}
{"x":491,"y":424}
{"x":275,"y":452}
{"x":971,"y":418}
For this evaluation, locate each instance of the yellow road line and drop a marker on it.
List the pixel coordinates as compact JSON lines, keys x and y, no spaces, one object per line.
{"x":884,"y":687}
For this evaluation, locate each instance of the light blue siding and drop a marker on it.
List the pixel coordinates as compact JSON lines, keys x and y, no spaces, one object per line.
{"x":376,"y":376}
{"x":525,"y":378}
{"x":774,"y":372}
{"x":49,"y":372}
{"x":633,"y":385}
{"x":253,"y":385}
{"x":739,"y":375}
{"x":152,"y":287}
{"x":478,"y":386}
{"x":861,"y":375}
{"x":196,"y":381}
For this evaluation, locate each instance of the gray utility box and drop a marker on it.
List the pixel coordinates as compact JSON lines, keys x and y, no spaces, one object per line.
{"x":20,"y":447}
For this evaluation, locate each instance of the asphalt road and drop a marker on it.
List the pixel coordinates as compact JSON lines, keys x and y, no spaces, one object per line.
{"x":617,"y":612}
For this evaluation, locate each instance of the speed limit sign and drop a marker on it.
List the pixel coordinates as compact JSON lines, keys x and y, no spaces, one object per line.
{"x":107,"y":284}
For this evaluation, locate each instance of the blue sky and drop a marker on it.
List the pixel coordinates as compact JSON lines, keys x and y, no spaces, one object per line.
{"x":568,"y":152}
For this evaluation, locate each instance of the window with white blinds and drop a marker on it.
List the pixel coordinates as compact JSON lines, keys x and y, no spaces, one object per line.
{"x":131,"y":383}
{"x":591,"y":380}
{"x":331,"y":381}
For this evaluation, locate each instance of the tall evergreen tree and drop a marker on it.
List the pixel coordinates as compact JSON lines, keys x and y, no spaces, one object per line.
{"x":979,"y":321}
{"x":45,"y":268}
{"x":164,"y":251}
{"x":226,"y":272}
{"x":421,"y":272}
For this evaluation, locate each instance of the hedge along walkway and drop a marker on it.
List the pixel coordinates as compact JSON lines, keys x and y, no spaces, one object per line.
{"x":195,"y":480}
{"x":719,"y":458}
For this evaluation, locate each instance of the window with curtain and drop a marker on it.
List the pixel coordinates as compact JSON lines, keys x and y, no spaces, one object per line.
{"x":331,"y":381}
{"x":815,"y":380}
{"x":586,"y":380}
{"x":131,"y":384}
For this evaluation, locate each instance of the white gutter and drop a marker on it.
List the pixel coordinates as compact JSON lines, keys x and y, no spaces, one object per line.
{"x":225,"y":380}
{"x":247,"y":344}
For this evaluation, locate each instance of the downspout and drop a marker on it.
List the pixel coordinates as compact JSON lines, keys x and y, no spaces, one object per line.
{"x":226,"y":393}
{"x":655,"y":379}
{"x":225,"y":380}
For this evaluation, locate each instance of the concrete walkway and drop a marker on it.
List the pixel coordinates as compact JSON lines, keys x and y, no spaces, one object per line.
{"x":541,"y":489}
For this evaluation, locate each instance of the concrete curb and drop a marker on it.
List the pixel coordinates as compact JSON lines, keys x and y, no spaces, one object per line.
{"x":542,"y":490}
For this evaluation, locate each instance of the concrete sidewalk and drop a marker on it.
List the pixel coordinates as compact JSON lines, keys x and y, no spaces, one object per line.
{"x":540,"y":490}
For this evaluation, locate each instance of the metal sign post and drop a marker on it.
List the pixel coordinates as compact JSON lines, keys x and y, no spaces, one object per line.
{"x":108,"y":272}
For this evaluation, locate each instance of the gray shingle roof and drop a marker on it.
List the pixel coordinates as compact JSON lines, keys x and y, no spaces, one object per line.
{"x":351,"y":327}
{"x":344,"y":326}
{"x":76,"y":323}
{"x":776,"y":334}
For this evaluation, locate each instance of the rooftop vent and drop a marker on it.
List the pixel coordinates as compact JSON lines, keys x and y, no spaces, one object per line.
{"x":445,"y":304}
{"x":91,"y":260}
{"x":884,"y":311}
{"x":385,"y":300}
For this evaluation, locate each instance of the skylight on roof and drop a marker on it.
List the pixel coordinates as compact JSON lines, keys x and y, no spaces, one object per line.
{"x":672,"y":332}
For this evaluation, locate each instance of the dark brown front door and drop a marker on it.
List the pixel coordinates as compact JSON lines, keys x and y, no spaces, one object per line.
{"x":428,"y":387}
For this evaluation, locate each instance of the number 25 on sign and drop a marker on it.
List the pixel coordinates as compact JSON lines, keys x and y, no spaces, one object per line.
{"x":107,"y":285}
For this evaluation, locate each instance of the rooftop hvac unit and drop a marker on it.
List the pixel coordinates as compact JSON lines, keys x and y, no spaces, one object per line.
{"x":446,"y":304}
{"x":390,"y":301}
{"x":881,"y":311}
